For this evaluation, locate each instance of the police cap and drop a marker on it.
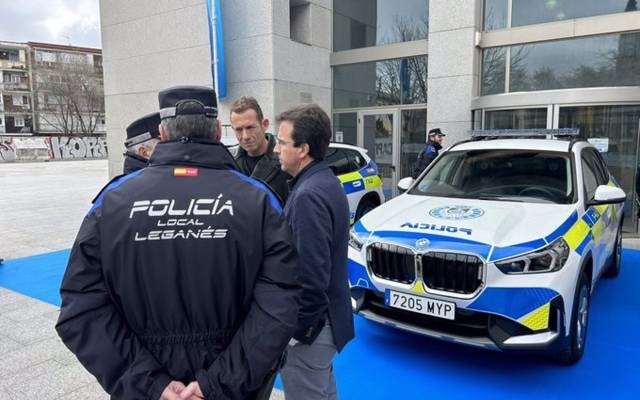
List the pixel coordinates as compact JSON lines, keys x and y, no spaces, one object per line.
{"x":143,"y":129}
{"x":188,"y":100}
{"x":436,"y":131}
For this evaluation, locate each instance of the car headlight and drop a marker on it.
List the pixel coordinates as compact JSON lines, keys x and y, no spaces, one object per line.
{"x":550,"y":259}
{"x":355,"y":241}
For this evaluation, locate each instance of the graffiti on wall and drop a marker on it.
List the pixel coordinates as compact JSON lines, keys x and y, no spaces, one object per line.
{"x":7,"y":149}
{"x":76,"y":147}
{"x":51,"y":148}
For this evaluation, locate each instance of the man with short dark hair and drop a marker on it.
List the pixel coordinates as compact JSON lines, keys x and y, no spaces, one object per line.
{"x":430,"y":151}
{"x":142,"y":137}
{"x":318,"y":213}
{"x":183,"y":272}
{"x":255,"y":155}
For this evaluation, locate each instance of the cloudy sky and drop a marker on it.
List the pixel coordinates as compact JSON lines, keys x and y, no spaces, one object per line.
{"x":75,"y":22}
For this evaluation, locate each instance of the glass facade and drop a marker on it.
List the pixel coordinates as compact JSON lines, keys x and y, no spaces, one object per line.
{"x":619,"y":127}
{"x":528,"y":12}
{"x":598,"y":61}
{"x":345,"y":128}
{"x":527,"y":118}
{"x":495,"y":14}
{"x":365,"y":23}
{"x":378,"y":140}
{"x":494,"y":70}
{"x":380,"y":83}
{"x":413,"y":135}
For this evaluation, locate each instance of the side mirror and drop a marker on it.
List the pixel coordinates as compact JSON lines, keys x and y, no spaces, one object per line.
{"x":405,"y":183}
{"x":608,"y":195}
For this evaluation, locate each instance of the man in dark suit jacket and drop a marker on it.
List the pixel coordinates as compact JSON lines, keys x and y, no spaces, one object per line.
{"x":318,"y":213}
{"x":255,"y":155}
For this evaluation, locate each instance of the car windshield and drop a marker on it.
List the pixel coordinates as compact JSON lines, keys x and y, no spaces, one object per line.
{"x":505,"y":175}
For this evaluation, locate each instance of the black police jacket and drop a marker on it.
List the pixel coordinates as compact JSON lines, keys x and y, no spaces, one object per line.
{"x":426,"y":156}
{"x":183,"y":270}
{"x":133,"y":162}
{"x":267,"y":169}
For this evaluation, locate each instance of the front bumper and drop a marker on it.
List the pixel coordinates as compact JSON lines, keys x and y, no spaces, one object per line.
{"x":471,"y":328}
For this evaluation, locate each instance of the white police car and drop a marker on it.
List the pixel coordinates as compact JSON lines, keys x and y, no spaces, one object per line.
{"x":359,"y":176}
{"x":498,"y":244}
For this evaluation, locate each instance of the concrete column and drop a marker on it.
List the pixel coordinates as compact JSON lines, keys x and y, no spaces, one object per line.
{"x":453,"y":65}
{"x":148,"y":46}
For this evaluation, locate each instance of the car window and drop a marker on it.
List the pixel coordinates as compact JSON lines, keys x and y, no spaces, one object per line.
{"x":357,"y":160}
{"x":503,"y":175}
{"x":604,"y":169}
{"x":589,"y":175}
{"x":591,"y":157}
{"x":338,"y":161}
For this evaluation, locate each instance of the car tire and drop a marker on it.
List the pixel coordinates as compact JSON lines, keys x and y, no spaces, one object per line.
{"x":574,"y":349}
{"x":613,"y":269}
{"x":364,"y":207}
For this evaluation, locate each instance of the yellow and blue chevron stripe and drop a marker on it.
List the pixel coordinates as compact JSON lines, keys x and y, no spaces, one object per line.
{"x":365,"y":178}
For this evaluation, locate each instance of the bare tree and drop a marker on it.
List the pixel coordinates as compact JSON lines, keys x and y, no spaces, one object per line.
{"x":70,"y":97}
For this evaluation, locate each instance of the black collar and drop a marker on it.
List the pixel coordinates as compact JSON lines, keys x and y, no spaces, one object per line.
{"x":269,"y":153}
{"x":437,"y":145}
{"x":136,"y":156}
{"x":196,"y":152}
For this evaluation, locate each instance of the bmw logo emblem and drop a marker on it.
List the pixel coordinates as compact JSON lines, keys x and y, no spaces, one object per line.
{"x":422,"y":244}
{"x":456,"y":212}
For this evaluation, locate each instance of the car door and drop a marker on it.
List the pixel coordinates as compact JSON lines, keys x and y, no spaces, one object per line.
{"x":612,"y":212}
{"x":597,"y":217}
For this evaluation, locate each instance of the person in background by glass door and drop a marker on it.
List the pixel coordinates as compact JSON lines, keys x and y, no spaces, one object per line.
{"x":430,"y":151}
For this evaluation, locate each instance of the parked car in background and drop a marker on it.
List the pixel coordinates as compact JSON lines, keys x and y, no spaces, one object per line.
{"x":357,"y":172}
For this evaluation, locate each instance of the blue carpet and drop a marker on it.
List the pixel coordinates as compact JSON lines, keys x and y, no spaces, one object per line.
{"x":384,"y":363}
{"x":36,"y":276}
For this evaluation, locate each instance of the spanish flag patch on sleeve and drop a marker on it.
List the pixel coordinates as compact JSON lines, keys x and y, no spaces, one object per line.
{"x":185,"y":172}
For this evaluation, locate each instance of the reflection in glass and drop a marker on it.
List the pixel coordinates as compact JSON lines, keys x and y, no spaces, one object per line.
{"x":364,"y":23}
{"x":378,"y":140}
{"x":527,"y":118}
{"x":345,"y":128}
{"x":607,"y":60}
{"x":493,"y":70}
{"x":495,"y":14}
{"x":527,"y":12}
{"x":413,"y":137}
{"x":389,"y":82}
{"x":476,"y":118}
{"x":619,"y":125}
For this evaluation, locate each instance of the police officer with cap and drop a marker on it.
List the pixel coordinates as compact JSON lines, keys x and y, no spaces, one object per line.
{"x":142,"y":137}
{"x":430,"y":151}
{"x":183,"y":280}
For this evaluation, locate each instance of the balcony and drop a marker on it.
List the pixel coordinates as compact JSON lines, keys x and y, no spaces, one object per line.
{"x":17,"y":108}
{"x":12,"y":64}
{"x":9,"y":86}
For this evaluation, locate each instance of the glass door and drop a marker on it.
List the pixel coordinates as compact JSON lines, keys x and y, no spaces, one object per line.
{"x":413,"y":138}
{"x":378,"y":133}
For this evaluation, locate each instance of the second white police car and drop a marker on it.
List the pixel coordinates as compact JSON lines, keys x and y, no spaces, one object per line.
{"x":498,"y":244}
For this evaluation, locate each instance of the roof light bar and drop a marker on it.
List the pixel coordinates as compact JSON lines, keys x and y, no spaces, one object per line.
{"x":525,"y":133}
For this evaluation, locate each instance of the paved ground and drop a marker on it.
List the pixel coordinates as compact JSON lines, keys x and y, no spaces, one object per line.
{"x":42,"y":204}
{"x":41,"y":208}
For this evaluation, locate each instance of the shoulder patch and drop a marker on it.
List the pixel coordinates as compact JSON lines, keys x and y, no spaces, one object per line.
{"x":431,"y":149}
